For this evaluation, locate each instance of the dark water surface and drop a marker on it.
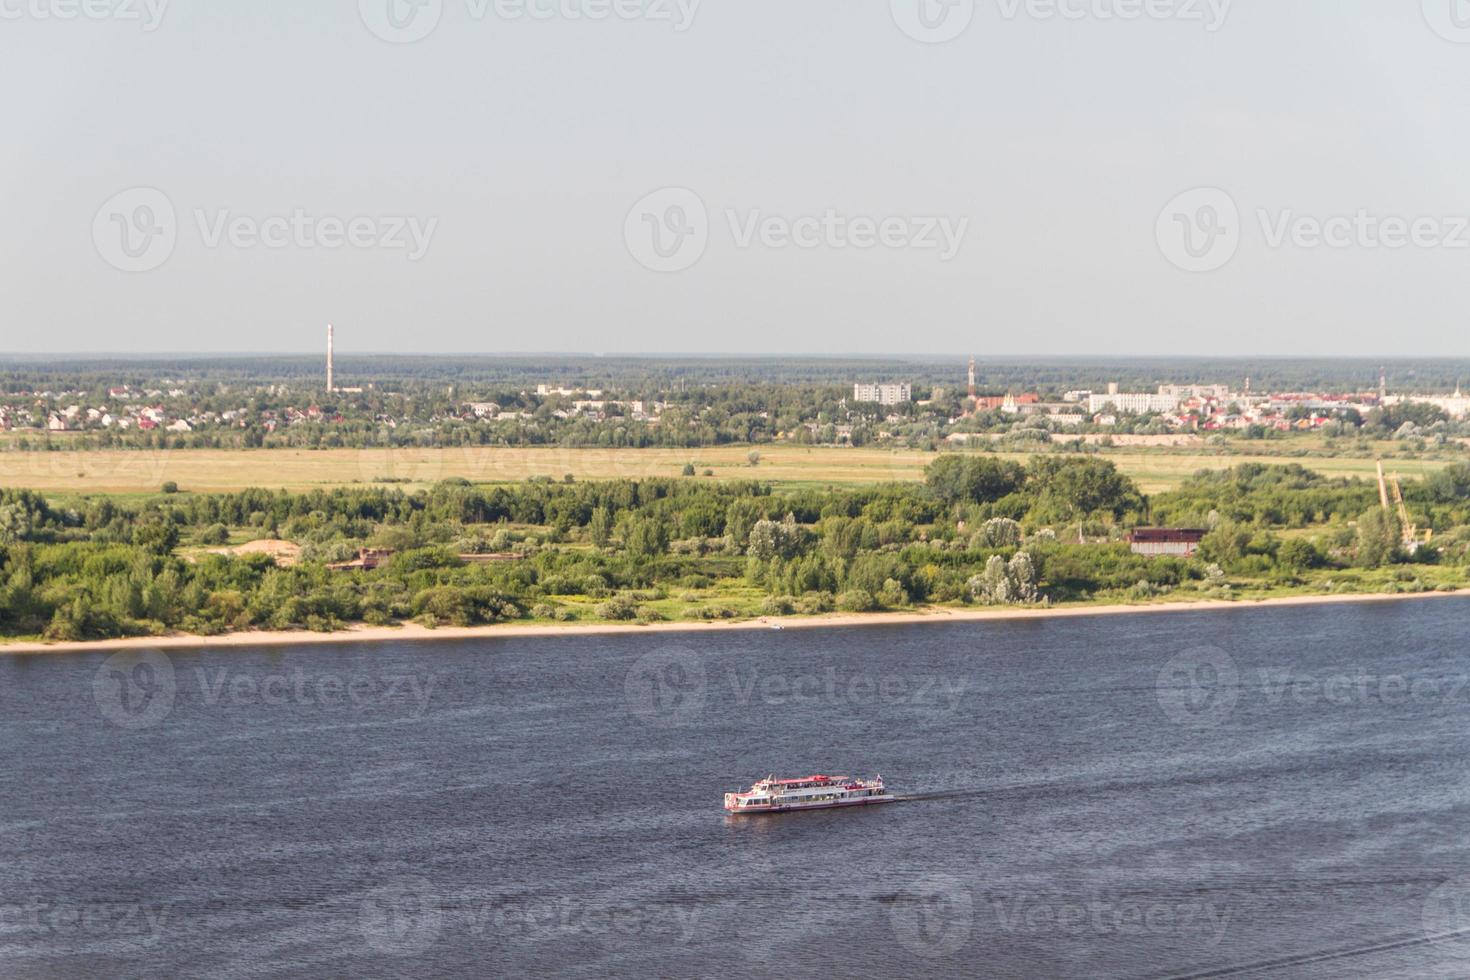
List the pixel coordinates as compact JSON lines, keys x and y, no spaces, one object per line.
{"x":1267,"y":792}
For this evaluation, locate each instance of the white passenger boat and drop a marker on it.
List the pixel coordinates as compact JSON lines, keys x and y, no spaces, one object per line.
{"x":772,"y":795}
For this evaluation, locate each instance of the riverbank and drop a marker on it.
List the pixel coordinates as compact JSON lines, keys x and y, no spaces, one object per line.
{"x":412,"y":632}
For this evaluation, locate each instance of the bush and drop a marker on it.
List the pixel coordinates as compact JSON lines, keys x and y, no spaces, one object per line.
{"x":857,"y":601}
{"x":619,"y":609}
{"x":1147,"y":590}
{"x":892,"y":594}
{"x":215,"y":534}
{"x":778,"y":606}
{"x":814,"y":603}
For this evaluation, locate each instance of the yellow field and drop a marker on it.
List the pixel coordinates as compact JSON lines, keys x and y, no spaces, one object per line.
{"x":218,"y":470}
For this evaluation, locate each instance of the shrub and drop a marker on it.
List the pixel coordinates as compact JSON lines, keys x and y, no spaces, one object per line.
{"x":618,"y":608}
{"x":857,"y":601}
{"x":814,"y":603}
{"x":214,"y":534}
{"x":778,"y":606}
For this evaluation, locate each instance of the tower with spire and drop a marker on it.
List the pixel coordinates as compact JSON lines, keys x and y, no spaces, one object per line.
{"x":331,"y":385}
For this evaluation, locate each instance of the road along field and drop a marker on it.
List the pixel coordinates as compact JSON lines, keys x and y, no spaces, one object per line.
{"x":204,"y":470}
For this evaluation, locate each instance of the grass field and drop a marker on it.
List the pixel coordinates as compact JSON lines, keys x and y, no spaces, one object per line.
{"x":132,"y":472}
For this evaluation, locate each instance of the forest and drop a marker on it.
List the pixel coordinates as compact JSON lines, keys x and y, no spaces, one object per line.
{"x":979,"y":530}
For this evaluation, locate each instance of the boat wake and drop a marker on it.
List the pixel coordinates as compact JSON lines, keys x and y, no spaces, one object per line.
{"x":959,"y":794}
{"x":1327,"y":956}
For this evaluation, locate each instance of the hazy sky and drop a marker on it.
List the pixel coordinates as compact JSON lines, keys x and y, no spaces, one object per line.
{"x":630,"y":176}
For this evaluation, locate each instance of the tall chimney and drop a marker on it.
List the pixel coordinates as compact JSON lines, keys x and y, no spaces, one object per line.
{"x":330,"y":386}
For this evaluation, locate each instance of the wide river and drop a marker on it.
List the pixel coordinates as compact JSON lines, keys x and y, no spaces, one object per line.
{"x":1255,"y":792}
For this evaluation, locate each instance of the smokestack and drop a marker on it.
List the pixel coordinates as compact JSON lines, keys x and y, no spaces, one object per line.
{"x":330,"y":386}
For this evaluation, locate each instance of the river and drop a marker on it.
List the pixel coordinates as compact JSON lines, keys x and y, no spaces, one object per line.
{"x":1252,"y":792}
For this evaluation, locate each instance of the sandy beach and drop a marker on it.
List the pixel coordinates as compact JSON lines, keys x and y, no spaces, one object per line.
{"x":416,"y":633}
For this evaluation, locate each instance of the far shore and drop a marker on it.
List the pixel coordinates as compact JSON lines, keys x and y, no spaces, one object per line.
{"x":933,"y":614}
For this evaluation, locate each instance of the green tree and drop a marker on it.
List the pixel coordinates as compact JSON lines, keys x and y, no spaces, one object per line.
{"x":1378,"y":537}
{"x":1299,"y":554}
{"x":600,"y":528}
{"x":645,"y":537}
{"x":960,"y":478}
{"x":1073,"y":489}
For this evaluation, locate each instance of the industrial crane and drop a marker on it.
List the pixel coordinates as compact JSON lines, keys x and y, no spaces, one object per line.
{"x":1409,"y":530}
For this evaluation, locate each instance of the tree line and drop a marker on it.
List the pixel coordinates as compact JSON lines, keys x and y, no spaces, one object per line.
{"x":978,"y":530}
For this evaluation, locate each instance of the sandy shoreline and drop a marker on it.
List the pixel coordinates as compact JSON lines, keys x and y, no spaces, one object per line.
{"x":415,"y":633}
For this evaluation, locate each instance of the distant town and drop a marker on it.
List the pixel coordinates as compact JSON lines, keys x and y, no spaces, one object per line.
{"x":224,"y":412}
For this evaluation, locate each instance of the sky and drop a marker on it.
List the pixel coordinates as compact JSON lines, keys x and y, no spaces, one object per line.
{"x":1063,"y":177}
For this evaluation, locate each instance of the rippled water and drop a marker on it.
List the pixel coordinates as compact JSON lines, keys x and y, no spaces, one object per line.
{"x":1267,"y":792}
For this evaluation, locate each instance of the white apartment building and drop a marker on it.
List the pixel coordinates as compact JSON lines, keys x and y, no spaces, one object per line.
{"x":1184,"y":392}
{"x":896,"y":394}
{"x":1132,"y":404}
{"x":1456,"y":406}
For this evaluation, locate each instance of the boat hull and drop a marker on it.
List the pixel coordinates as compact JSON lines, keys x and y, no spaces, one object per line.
{"x":751,"y":811}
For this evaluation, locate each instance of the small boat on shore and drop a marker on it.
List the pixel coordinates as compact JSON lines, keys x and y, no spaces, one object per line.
{"x":772,"y":795}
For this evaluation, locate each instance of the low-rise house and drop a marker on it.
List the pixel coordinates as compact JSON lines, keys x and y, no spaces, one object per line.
{"x":1156,"y":541}
{"x":366,"y":560}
